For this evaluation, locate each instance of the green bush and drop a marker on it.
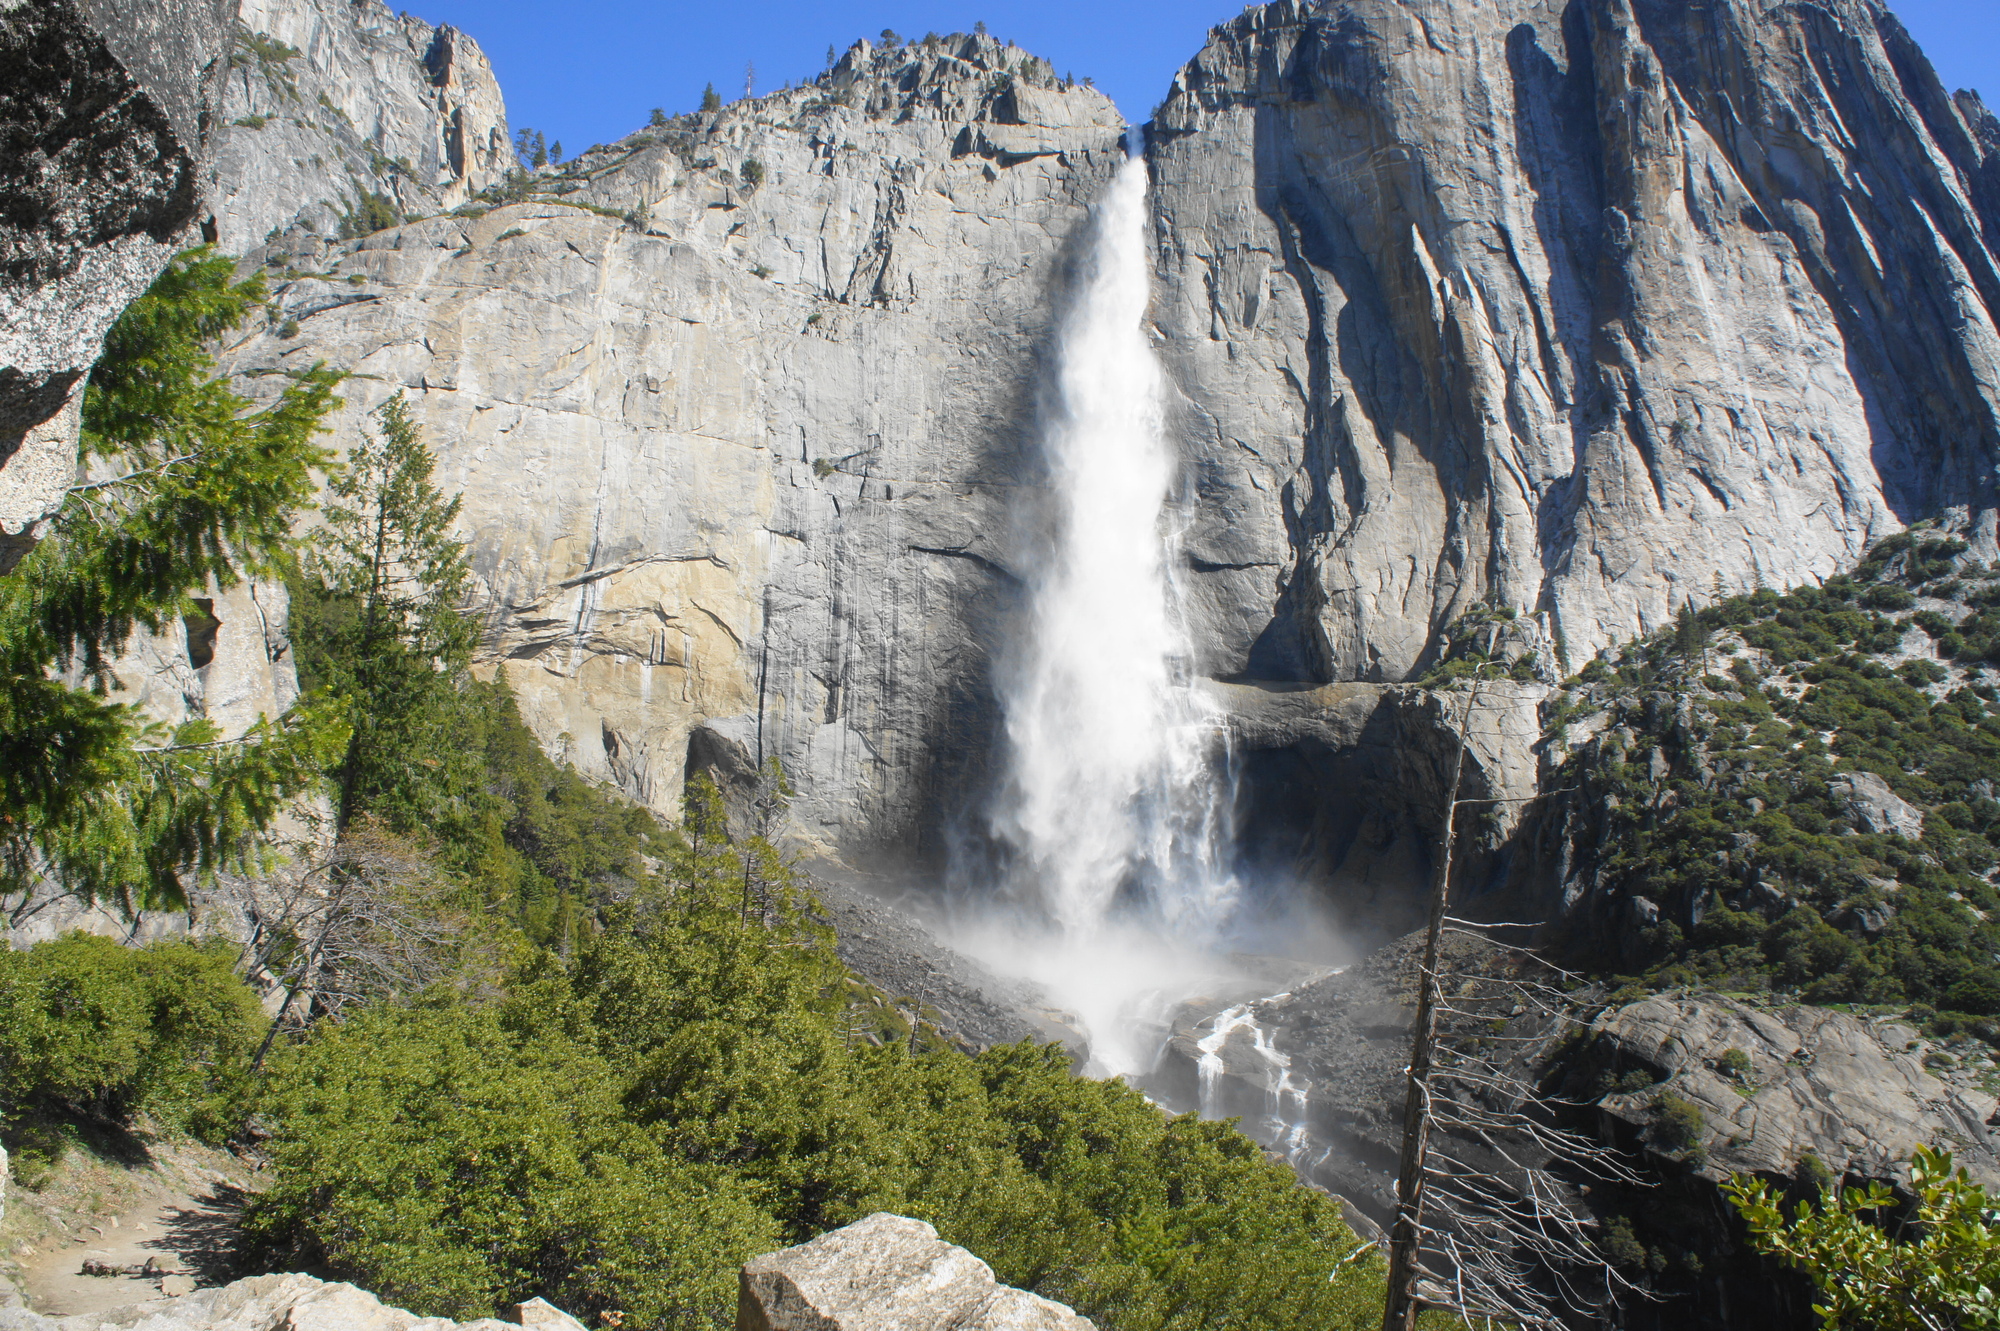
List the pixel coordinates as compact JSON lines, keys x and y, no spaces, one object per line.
{"x":1677,"y":1124}
{"x":1761,"y":874}
{"x":456,"y":1164}
{"x":90,"y":1026}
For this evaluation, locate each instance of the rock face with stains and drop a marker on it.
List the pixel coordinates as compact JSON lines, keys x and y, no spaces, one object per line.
{"x":1775,"y":1084}
{"x":738,"y":406}
{"x":1580,"y":306}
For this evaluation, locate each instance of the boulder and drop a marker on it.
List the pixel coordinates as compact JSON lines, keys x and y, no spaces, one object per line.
{"x":887,"y":1273}
{"x":108,"y":105}
{"x":1876,"y":808}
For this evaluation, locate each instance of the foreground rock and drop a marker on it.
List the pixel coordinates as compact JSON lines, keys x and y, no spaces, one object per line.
{"x":108,"y":106}
{"x":887,"y":1273}
{"x":293,"y":1302}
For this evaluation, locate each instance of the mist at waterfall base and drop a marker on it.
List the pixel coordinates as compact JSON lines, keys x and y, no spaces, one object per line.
{"x":1112,"y":882}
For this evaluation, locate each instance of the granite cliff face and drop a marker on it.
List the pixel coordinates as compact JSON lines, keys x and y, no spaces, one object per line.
{"x":1582,"y":307}
{"x":330,"y":103}
{"x":737,"y":407}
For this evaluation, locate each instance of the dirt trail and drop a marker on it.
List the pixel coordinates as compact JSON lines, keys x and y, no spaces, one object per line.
{"x":179,"y":1232}
{"x":120,"y":1199}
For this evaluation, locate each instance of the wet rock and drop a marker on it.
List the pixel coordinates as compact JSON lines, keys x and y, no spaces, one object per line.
{"x":887,"y":1273}
{"x":884,"y":942}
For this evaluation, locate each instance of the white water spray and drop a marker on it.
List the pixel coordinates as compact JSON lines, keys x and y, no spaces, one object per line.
{"x":1116,"y":807}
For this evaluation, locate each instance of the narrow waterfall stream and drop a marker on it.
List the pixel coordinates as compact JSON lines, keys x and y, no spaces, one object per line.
{"x":1114,"y":817}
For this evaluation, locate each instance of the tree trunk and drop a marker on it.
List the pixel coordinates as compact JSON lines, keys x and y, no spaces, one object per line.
{"x":1400,"y":1312}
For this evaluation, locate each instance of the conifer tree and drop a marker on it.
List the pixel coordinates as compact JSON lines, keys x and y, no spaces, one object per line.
{"x":198,"y":491}
{"x":379,"y":625}
{"x":711,"y":100}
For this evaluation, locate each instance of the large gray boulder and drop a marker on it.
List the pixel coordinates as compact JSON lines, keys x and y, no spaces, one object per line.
{"x":109,"y":107}
{"x":887,"y":1273}
{"x":1875,"y":808}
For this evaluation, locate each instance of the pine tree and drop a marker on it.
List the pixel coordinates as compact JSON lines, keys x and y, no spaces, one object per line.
{"x":202,"y":492}
{"x":555,"y":151}
{"x":378,"y":625}
{"x":711,"y":100}
{"x":659,"y":120}
{"x":1690,"y":634}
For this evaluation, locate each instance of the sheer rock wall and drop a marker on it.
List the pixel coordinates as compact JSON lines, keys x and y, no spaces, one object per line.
{"x":737,"y":441}
{"x":1584,"y":306}
{"x":328,"y":101}
{"x":1581,"y":306}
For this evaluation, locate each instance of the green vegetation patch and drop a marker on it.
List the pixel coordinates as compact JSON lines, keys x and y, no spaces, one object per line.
{"x":1797,"y":791}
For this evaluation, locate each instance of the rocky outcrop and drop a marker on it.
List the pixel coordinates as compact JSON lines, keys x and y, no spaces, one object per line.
{"x":294,"y":1302}
{"x":349,"y":115}
{"x":1774,"y":1085}
{"x":737,"y":407}
{"x":110,"y":107}
{"x":1580,"y":308}
{"x":887,"y":1273}
{"x":1691,"y":1088}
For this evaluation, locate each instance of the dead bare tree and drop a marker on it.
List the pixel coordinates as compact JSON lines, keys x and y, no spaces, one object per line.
{"x":1488,"y":1220}
{"x":368,"y":917}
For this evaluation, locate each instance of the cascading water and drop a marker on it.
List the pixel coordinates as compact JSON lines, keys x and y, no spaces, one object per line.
{"x":1115,"y":812}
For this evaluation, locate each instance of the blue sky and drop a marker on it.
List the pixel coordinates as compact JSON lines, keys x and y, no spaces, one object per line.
{"x":591,"y":70}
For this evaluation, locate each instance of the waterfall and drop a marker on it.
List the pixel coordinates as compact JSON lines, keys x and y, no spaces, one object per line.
{"x":1114,"y":813}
